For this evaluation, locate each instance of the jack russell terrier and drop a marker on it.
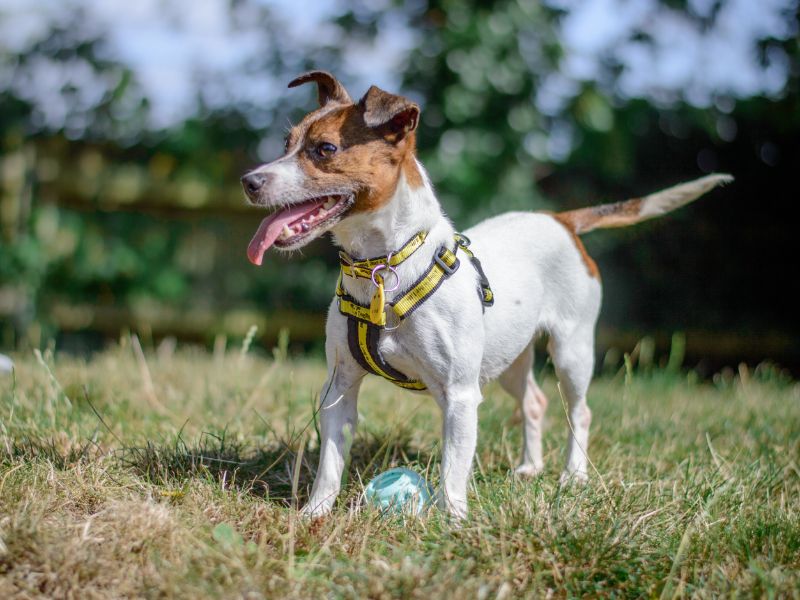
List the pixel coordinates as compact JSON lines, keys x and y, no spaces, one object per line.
{"x":427,"y":308}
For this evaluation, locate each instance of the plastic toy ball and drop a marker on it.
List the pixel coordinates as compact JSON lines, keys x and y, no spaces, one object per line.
{"x":400,"y":491}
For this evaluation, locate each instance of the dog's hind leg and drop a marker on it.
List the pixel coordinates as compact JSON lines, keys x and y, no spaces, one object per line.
{"x":518,"y":381}
{"x":573,"y":357}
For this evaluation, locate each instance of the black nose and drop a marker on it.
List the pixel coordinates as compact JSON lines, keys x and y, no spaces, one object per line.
{"x":254,"y":182}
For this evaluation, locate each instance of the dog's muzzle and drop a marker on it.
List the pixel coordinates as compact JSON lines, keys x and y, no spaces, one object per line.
{"x":253,"y":183}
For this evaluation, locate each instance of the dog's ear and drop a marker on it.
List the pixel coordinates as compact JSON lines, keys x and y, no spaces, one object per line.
{"x":395,"y":116}
{"x":328,"y":87}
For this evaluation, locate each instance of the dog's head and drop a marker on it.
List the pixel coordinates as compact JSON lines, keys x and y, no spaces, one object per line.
{"x":341,"y":159}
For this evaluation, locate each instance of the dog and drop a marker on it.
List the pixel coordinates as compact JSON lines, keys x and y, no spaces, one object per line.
{"x":350,"y":168}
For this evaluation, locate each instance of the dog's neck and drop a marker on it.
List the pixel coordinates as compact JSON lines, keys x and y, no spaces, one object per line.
{"x":377,"y":233}
{"x":409,"y":211}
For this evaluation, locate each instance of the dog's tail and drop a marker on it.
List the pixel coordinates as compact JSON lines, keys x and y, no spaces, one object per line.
{"x":629,"y":212}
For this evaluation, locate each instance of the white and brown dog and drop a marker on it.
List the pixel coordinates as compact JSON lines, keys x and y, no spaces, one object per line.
{"x":350,"y":168}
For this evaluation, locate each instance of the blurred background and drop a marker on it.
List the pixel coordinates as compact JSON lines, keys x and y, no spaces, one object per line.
{"x":125,"y":126}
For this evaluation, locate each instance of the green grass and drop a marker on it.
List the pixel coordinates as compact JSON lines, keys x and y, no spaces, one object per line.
{"x":178,"y":477}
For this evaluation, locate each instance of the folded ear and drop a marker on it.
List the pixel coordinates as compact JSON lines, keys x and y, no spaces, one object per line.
{"x":396,"y":115}
{"x":328,"y":87}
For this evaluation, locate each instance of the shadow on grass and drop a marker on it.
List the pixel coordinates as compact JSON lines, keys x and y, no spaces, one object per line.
{"x":60,"y":452}
{"x":268,"y":472}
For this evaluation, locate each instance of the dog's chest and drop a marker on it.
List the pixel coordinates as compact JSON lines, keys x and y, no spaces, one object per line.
{"x":395,"y":352}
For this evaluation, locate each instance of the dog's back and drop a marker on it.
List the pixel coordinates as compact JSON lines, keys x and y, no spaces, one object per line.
{"x":542,"y":278}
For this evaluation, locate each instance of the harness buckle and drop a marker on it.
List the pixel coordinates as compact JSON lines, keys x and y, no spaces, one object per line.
{"x":448,"y":270}
{"x":345,"y":259}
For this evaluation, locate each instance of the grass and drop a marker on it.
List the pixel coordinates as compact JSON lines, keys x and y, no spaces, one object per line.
{"x":176,"y":474}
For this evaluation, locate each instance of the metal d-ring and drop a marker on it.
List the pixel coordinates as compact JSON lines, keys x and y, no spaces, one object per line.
{"x":391,"y":270}
{"x":462,"y":240}
{"x":390,"y":311}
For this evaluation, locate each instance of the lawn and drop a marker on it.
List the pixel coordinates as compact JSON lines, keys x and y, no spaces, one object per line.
{"x":177,"y":474}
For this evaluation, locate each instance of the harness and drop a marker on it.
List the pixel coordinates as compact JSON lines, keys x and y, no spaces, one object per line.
{"x":364,"y":323}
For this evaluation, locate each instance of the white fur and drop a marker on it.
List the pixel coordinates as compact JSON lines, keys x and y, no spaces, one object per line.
{"x":287,"y":184}
{"x":664,"y":201}
{"x":455,"y":346}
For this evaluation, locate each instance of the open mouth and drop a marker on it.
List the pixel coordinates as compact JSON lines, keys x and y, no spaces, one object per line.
{"x":290,"y":226}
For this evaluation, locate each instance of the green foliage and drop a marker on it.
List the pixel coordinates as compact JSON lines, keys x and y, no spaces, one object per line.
{"x":477,"y":70}
{"x":106,"y":211}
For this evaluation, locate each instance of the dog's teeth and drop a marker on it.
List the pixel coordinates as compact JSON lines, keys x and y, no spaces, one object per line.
{"x":286,"y":232}
{"x":329,"y":203}
{"x":304,"y":226}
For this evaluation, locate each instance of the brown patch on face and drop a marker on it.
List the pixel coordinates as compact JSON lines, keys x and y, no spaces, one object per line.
{"x":569,"y":225}
{"x":364,"y":163}
{"x":410,"y":168}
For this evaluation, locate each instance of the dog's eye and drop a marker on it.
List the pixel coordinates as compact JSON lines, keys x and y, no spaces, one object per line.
{"x":326,"y":149}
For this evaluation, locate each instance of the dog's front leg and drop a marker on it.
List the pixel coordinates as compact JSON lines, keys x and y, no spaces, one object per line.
{"x":337,"y":414}
{"x":459,"y":438}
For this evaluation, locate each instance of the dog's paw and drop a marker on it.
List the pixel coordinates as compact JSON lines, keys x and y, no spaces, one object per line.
{"x":528,"y":470}
{"x":315,"y":510}
{"x":573,"y":478}
{"x":457,"y":510}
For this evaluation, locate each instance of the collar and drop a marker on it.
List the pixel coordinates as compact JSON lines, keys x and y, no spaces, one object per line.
{"x":353,"y":267}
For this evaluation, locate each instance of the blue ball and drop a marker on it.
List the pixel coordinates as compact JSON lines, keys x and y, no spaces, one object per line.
{"x":399,"y":490}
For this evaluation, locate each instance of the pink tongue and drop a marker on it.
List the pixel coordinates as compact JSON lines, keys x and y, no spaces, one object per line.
{"x":271,"y":228}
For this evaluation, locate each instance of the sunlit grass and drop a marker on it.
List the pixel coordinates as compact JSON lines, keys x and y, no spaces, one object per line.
{"x":175,"y":474}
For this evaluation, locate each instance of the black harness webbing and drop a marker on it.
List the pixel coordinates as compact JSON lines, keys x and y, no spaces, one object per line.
{"x":364,"y":323}
{"x":362,"y":338}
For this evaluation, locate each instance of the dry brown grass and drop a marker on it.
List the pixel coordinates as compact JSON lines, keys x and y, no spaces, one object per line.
{"x":104,"y":494}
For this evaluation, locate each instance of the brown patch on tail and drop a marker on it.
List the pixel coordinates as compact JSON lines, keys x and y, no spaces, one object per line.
{"x":630,"y":212}
{"x":618,"y":214}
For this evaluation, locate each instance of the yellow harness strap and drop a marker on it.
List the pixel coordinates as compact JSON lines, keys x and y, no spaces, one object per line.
{"x":363,"y":268}
{"x":378,"y":304}
{"x":444,"y":264}
{"x":364,"y":323}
